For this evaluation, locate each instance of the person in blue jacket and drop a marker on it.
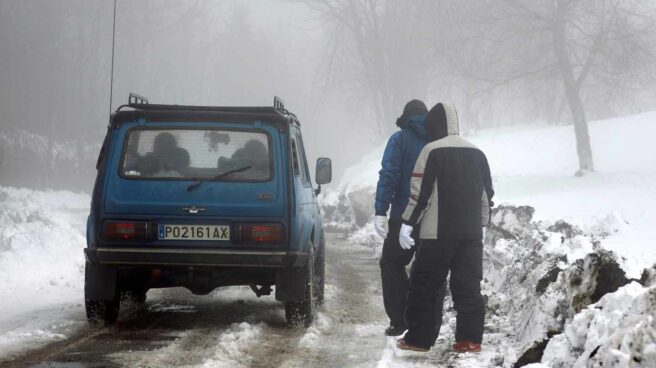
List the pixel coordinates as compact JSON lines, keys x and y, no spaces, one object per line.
{"x":393,"y":190}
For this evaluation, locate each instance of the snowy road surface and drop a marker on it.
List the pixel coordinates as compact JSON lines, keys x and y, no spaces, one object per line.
{"x":233,"y":328}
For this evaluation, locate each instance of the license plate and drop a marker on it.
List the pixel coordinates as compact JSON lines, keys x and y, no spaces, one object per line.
{"x":194,"y":232}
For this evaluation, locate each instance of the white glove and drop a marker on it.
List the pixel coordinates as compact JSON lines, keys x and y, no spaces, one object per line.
{"x":380,"y":224}
{"x":405,"y":239}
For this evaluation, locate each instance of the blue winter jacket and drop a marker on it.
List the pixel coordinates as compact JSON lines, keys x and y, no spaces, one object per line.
{"x":399,"y":158}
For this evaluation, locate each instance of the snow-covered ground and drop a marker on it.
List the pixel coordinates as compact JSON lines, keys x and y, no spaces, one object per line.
{"x":41,"y":266}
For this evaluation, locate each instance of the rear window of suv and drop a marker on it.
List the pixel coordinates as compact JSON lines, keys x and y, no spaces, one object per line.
{"x":197,"y":154}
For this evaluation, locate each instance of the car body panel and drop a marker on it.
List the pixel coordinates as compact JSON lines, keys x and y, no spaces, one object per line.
{"x":287,"y":199}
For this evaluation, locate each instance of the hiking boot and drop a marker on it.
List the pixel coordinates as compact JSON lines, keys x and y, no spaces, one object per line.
{"x":466,"y":347}
{"x":401,"y":344}
{"x":394,"y":330}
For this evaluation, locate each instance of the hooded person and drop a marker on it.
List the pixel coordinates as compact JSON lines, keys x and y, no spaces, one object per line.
{"x":450,"y":198}
{"x":393,"y":190}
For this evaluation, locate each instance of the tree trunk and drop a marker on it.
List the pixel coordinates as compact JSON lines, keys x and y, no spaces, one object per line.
{"x":572,"y":93}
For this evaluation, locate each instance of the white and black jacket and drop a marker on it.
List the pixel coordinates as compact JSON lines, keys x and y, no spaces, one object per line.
{"x":451,"y":187}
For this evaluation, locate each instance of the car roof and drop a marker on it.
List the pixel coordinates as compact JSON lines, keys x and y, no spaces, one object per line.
{"x":276,"y":115}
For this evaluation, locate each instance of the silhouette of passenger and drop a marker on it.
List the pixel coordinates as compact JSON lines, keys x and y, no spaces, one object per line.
{"x":254,"y":154}
{"x":166,"y":159}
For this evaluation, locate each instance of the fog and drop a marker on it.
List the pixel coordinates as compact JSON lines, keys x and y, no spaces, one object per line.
{"x":346,"y":68}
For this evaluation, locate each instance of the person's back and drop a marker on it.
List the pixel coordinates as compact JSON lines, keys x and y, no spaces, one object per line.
{"x":451,"y":192}
{"x":458,"y":174}
{"x":393,"y":190}
{"x":461,"y":171}
{"x":402,"y":150}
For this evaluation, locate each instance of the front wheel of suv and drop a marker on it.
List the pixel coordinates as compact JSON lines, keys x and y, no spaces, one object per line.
{"x":301,"y":313}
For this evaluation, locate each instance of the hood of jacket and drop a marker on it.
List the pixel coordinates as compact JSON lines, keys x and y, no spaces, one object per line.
{"x":442,"y":121}
{"x":417,"y":125}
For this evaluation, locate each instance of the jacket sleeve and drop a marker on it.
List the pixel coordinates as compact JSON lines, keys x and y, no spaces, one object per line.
{"x":389,"y":176}
{"x":421,"y":188}
{"x":488,"y":194}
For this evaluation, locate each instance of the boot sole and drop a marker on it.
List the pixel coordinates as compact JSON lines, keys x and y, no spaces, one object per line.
{"x":412,"y":348}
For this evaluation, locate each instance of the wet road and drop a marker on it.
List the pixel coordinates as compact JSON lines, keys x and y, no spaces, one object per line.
{"x":232,"y":327}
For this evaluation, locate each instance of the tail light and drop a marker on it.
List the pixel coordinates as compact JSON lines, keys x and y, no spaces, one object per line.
{"x":262,"y":233}
{"x":125,"y":230}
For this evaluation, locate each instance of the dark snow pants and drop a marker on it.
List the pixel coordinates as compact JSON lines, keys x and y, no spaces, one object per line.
{"x":394,"y":276}
{"x":434,"y":260}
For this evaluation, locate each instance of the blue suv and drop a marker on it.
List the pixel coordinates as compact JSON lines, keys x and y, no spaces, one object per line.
{"x":203,"y":197}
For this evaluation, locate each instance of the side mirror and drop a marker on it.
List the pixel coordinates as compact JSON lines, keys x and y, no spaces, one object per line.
{"x":324,"y":171}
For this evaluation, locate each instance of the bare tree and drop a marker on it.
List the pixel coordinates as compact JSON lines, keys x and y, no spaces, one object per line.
{"x":607,"y":43}
{"x":376,"y":44}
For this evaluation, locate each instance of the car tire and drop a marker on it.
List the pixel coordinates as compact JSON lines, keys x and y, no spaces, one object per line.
{"x":100,"y":313}
{"x":320,"y":272}
{"x":301,"y":313}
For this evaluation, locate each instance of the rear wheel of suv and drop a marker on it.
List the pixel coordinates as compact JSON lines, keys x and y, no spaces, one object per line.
{"x":301,"y":313}
{"x":100,"y":313}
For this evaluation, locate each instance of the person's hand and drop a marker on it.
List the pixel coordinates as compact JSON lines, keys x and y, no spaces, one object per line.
{"x":380,"y":224}
{"x":405,"y":239}
{"x":484,"y":232}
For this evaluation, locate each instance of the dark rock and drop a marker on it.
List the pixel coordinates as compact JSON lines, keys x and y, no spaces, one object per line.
{"x":610,"y":277}
{"x":565,"y":228}
{"x":535,"y":352}
{"x":593,"y":277}
{"x":523,"y":214}
{"x":547,"y":280}
{"x":648,"y":277}
{"x":510,"y":222}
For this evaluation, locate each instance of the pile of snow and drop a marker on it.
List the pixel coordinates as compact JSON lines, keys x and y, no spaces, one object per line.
{"x":539,"y":276}
{"x":232,"y":346}
{"x":617,"y":331}
{"x":42,"y":265}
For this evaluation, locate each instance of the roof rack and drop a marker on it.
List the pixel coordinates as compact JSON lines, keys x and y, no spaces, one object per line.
{"x":135,"y":99}
{"x":278,"y":104}
{"x":141,"y":105}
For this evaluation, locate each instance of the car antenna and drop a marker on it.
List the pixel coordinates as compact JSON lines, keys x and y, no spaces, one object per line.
{"x":111,"y":76}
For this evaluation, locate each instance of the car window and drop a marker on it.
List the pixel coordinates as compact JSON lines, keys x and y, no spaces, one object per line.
{"x":197,"y":154}
{"x":303,"y":161}
{"x":296,"y":166}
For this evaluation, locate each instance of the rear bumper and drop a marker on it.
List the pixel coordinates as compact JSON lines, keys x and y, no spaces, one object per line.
{"x":194,"y":257}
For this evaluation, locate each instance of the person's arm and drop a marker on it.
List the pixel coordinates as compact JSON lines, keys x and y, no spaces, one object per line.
{"x":422,"y":183}
{"x":488,"y":194}
{"x":389,"y":175}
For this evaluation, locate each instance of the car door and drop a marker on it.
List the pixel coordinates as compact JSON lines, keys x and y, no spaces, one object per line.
{"x":303,"y":191}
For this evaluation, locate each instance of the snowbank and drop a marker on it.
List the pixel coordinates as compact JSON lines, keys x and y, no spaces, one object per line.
{"x":41,"y":265}
{"x":617,"y":331}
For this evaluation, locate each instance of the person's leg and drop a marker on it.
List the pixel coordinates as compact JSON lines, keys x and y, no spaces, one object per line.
{"x":439,"y":302}
{"x":427,"y":281}
{"x":466,"y":276}
{"x":394,"y":277}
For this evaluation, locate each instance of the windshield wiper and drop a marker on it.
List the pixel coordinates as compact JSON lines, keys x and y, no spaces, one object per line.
{"x":215,"y":178}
